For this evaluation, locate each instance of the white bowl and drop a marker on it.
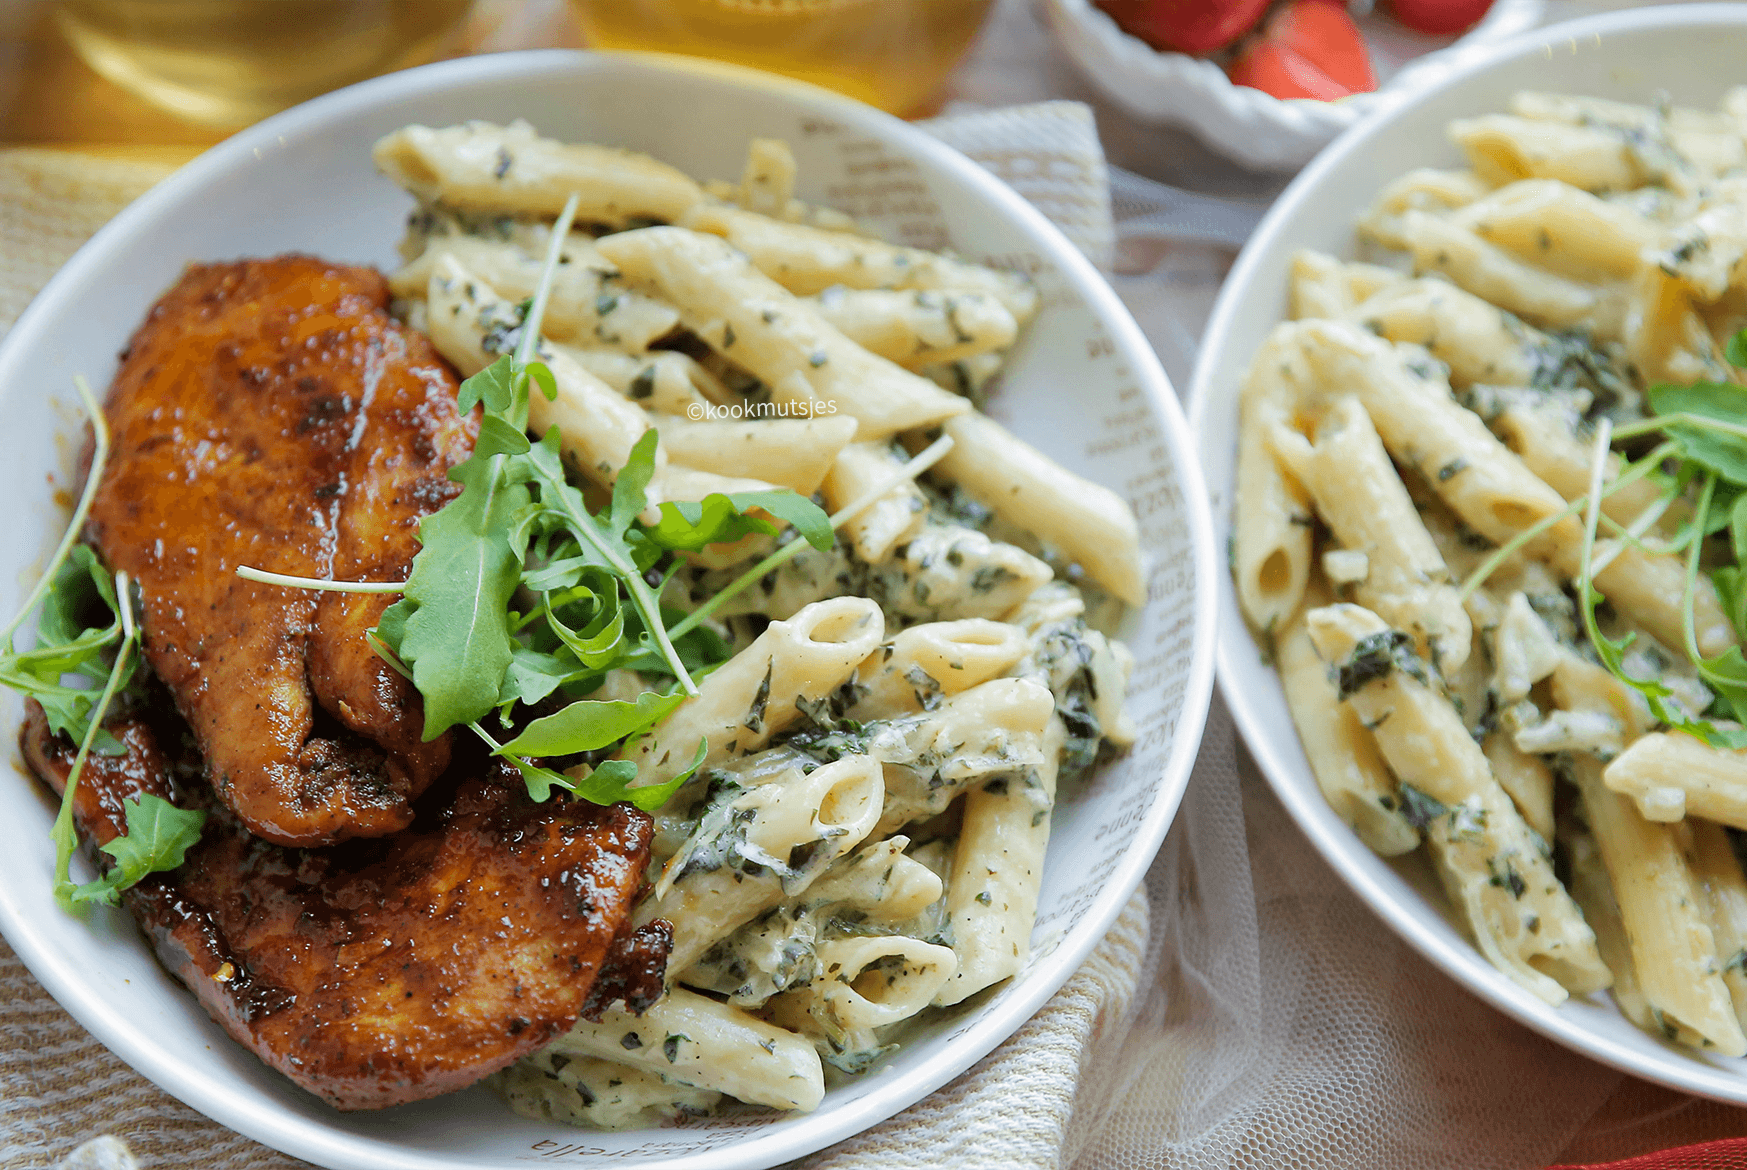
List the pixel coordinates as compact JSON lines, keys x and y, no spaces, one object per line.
{"x":1258,"y":129}
{"x":1694,"y":53}
{"x":303,"y":180}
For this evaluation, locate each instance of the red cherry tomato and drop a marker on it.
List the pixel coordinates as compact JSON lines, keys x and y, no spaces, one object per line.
{"x":1439,"y":17}
{"x":1308,"y":49}
{"x":1185,"y":26}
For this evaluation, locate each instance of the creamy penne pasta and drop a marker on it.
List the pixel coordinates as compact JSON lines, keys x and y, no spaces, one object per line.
{"x":855,"y":787}
{"x":1494,"y":433}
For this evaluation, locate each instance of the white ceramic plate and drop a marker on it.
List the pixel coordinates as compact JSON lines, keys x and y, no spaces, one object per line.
{"x":304,"y":181}
{"x":1691,"y":52}
{"x":1258,"y":129}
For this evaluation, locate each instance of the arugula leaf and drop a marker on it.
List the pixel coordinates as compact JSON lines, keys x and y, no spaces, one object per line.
{"x":1738,"y":527}
{"x":1731,"y":586}
{"x":78,"y":585}
{"x":597,"y":644}
{"x":495,"y":386}
{"x":542,"y":780}
{"x":158,"y":836}
{"x":688,"y":527}
{"x":1723,"y":452}
{"x":62,"y":833}
{"x":608,"y":539}
{"x":1727,"y":672}
{"x":65,"y":646}
{"x":452,"y":624}
{"x":1656,"y":694}
{"x":1735,"y":353}
{"x":720,"y":517}
{"x":608,"y":783}
{"x":611,"y":783}
{"x":497,"y":437}
{"x":587,"y":725}
{"x":631,"y":488}
{"x":534,"y":674}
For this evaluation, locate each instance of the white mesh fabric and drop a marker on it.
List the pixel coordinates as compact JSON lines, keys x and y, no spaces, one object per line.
{"x":1282,"y":1026}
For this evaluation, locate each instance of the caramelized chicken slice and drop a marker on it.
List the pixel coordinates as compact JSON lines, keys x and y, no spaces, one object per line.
{"x":379,"y":971}
{"x":271,"y":413}
{"x":634,"y":972}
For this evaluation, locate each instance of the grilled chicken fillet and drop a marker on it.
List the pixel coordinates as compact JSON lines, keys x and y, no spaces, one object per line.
{"x":271,"y":413}
{"x":382,"y":971}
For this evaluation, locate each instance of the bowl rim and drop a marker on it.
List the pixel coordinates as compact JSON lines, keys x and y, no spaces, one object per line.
{"x":316,"y":1140}
{"x":1333,"y":839}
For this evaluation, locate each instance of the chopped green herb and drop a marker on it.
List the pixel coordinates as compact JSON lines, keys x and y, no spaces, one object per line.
{"x":1374,"y":657}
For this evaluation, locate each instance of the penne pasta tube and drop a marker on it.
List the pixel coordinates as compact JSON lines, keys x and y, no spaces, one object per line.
{"x":1488,"y":271}
{"x":1524,"y":650}
{"x":889,"y":521}
{"x":1322,"y":286}
{"x":1422,"y":189}
{"x":1548,"y":447}
{"x":588,"y":304}
{"x":478,"y":165}
{"x":1596,"y":713}
{"x":1271,"y":531}
{"x":1593,"y":891}
{"x":759,"y":846}
{"x":947,"y":573}
{"x":774,"y":335}
{"x":925,"y":664}
{"x":794,"y":453}
{"x":1479,"y":342}
{"x":1708,"y":254}
{"x":1557,"y":226}
{"x":1090,"y":524}
{"x":867,"y":983}
{"x":766,"y":186}
{"x":1351,"y":773}
{"x":767,"y":183}
{"x":977,"y":736}
{"x":1486,"y":484}
{"x":877,"y":886}
{"x":1496,"y":870}
{"x":552,"y":1085}
{"x":471,"y":325}
{"x":1507,"y":148}
{"x":1664,"y":915}
{"x":1672,"y":776}
{"x":692,"y":1039}
{"x":755,"y":694}
{"x":863,"y":984}
{"x":1666,"y":338}
{"x":1717,"y":871}
{"x":680,"y":482}
{"x":1526,"y":778}
{"x":997,"y":872}
{"x":1677,"y":146}
{"x":664,"y":381}
{"x":919,"y":327}
{"x":808,"y":260}
{"x":1362,"y":500}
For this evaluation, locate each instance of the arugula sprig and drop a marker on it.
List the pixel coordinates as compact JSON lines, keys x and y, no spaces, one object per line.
{"x":1705,"y":429}
{"x":520,"y":529}
{"x":72,"y":587}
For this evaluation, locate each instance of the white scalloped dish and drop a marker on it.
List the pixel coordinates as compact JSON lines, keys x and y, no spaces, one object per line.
{"x":303,"y":181}
{"x":1256,"y":128}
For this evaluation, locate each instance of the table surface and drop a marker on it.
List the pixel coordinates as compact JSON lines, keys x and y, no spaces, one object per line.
{"x":48,"y":97}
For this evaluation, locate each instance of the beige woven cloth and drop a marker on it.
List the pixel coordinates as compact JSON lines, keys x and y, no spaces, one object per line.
{"x":65,"y":1099}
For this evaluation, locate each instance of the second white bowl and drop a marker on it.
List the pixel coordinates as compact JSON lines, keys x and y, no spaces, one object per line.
{"x":1691,"y":53}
